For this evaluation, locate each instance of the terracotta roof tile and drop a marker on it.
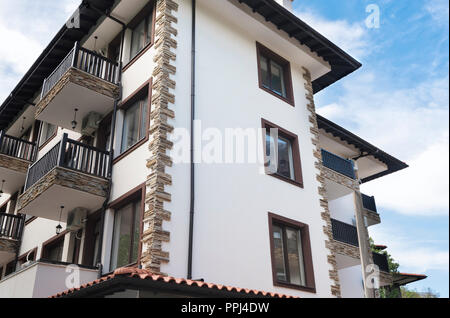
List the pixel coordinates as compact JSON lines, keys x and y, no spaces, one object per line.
{"x":148,"y":275}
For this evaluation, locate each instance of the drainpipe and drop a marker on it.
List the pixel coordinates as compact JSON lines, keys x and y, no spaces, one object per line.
{"x":192,"y":186}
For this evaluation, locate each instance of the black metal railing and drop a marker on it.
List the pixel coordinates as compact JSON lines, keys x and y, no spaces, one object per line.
{"x":338,"y":164}
{"x":84,"y":60}
{"x":17,"y":148}
{"x":72,"y":155}
{"x":11,"y":226}
{"x":382,"y":261}
{"x":344,"y":232}
{"x":369,"y":202}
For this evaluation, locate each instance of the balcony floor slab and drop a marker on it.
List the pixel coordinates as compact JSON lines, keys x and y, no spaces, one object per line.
{"x":76,"y":89}
{"x":63,"y":187}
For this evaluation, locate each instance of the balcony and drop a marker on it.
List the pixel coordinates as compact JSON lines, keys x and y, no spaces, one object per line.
{"x":42,"y":279}
{"x":11,"y":227}
{"x":71,"y":174}
{"x":381,"y":261}
{"x":345,"y":233}
{"x":84,"y":80}
{"x":338,"y":164}
{"x":370,"y":210}
{"x":16,"y":155}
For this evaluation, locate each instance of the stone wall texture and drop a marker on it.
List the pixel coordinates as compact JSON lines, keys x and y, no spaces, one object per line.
{"x":83,"y":79}
{"x":346,"y":249}
{"x":14,"y":164}
{"x":9,"y":246}
{"x":66,"y":178}
{"x":154,"y":235}
{"x":325,"y":214}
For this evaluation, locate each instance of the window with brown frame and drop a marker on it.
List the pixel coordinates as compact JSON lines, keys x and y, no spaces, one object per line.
{"x":128,"y":213}
{"x":136,"y":120}
{"x":274,"y":74}
{"x":290,"y":245}
{"x":282,"y":154}
{"x":1,"y":272}
{"x":10,"y":268}
{"x":142,"y":31}
{"x":47,"y":133}
{"x":52,"y":250}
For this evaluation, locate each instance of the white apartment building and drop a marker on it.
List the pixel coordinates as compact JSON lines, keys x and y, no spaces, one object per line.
{"x":106,"y":142}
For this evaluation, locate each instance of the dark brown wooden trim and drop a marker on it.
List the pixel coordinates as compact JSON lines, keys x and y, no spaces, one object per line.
{"x":127,"y":103}
{"x":49,"y":139}
{"x":31,"y":220}
{"x":298,"y":173}
{"x":52,"y":241}
{"x":306,"y":248}
{"x":138,"y":18}
{"x":24,"y":255}
{"x":131,"y":195}
{"x":262,"y":50}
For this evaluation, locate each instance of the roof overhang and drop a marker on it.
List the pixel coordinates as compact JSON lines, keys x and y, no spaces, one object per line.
{"x":24,"y":93}
{"x":341,"y":63}
{"x":367,"y":149}
{"x":401,"y":279}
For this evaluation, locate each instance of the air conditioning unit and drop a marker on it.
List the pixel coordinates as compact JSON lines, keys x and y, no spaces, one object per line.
{"x":75,"y":219}
{"x":90,"y":123}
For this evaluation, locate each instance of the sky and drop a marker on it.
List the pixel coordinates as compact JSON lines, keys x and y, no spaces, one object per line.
{"x":398,"y":101}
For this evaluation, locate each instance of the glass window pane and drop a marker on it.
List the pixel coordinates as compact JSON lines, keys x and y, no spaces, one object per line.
{"x":149,"y":28}
{"x":55,"y":252}
{"x":285,"y":160}
{"x":280,"y":269}
{"x":144,"y":119}
{"x":295,"y":257}
{"x":130,"y":134}
{"x":265,"y":77}
{"x":138,"y":39}
{"x":277,"y":79}
{"x":122,"y":237}
{"x":137,"y":230}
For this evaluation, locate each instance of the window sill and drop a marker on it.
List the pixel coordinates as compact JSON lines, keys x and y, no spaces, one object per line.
{"x":283,"y":178}
{"x":297,"y":287}
{"x":284,"y":99}
{"x":130,"y":150}
{"x":134,"y":59}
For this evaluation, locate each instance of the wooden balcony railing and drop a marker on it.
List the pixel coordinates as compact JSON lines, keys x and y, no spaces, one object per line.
{"x":338,"y":164}
{"x":382,"y":261}
{"x":369,"y":202}
{"x":72,"y":155}
{"x":84,"y":60}
{"x":344,"y":232}
{"x":11,"y":226}
{"x":17,"y":148}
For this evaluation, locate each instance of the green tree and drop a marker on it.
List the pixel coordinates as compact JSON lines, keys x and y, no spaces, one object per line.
{"x":393,"y":265}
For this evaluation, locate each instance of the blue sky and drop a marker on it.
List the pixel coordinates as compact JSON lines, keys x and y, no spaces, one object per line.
{"x":398,"y":101}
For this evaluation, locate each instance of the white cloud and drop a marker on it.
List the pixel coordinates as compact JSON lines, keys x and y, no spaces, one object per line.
{"x":351,"y":37}
{"x":419,"y":259}
{"x":438,"y":9}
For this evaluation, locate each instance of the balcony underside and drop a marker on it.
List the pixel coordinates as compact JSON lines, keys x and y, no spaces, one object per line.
{"x":13,"y":171}
{"x":63,"y":187}
{"x":76,"y":89}
{"x":373,"y":218}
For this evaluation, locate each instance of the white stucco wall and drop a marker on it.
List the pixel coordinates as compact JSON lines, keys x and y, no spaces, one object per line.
{"x":351,"y":282}
{"x":343,"y":209}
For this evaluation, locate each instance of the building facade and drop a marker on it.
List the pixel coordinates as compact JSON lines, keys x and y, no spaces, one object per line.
{"x":125,"y":138}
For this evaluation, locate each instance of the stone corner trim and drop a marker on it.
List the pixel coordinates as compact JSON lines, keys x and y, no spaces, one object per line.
{"x":80,"y":78}
{"x":66,"y":178}
{"x":15,"y":164}
{"x":329,"y":243}
{"x":154,"y":235}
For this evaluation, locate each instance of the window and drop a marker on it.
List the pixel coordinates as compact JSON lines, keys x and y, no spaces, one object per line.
{"x":134,"y":123}
{"x":53,"y":250}
{"x":282,"y":154}
{"x":127,"y":230}
{"x":142,"y":30}
{"x":291,"y":253}
{"x":48,"y":131}
{"x":274,"y":74}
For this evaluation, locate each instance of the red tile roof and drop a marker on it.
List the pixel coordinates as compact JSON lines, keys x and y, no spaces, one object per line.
{"x":144,"y":274}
